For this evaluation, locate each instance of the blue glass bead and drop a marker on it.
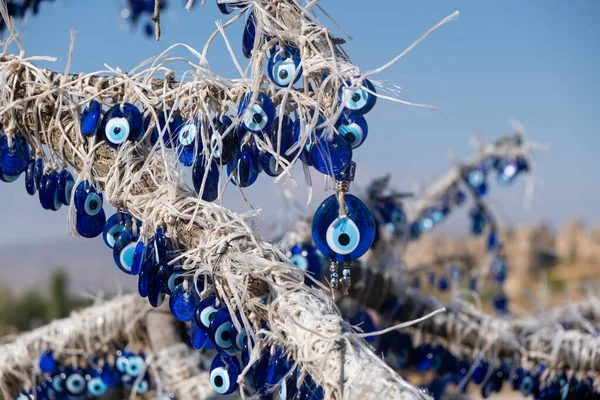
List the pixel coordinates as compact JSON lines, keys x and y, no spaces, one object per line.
{"x":88,"y":201}
{"x":75,"y":384}
{"x":282,"y":67}
{"x":438,"y":215}
{"x":224,"y":140}
{"x":309,"y":390}
{"x":499,"y":269}
{"x":120,"y":123}
{"x":224,"y":372}
{"x":353,"y":128}
{"x":156,"y":285}
{"x":64,"y":187}
{"x":144,"y":279}
{"x":478,"y":221}
{"x":270,"y":371}
{"x":474,"y":284}
{"x":134,"y":366}
{"x":476,"y":178}
{"x":248,"y":35}
{"x":189,"y":142}
{"x":47,"y":190}
{"x":423,"y":357}
{"x":256,"y":117}
{"x":30,"y":185}
{"x":242,"y":170}
{"x":183,"y":303}
{"x":225,"y":8}
{"x":170,"y":131}
{"x":39,"y":172}
{"x":254,"y":154}
{"x":55,"y":203}
{"x":393,"y":217}
{"x":305,"y":150}
{"x":220,"y":332}
{"x":205,"y":313}
{"x":501,"y":303}
{"x":123,"y":250}
{"x":459,"y":197}
{"x":58,"y":381}
{"x":492,"y":241}
{"x":507,"y":171}
{"x":480,"y":372}
{"x":90,"y":226}
{"x":443,"y":283}
{"x":239,"y":338}
{"x":307,"y":258}
{"x":330,"y":154}
{"x":270,"y":165}
{"x":364,"y":321}
{"x":47,"y":362}
{"x":117,"y":223}
{"x":425,"y":224}
{"x":14,"y":155}
{"x":343,"y":238}
{"x":359,"y":100}
{"x":90,"y":117}
{"x":211,"y":186}
{"x":198,"y":338}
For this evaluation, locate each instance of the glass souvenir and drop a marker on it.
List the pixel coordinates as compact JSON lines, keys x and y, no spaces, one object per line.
{"x":90,"y":226}
{"x":210,"y":191}
{"x":343,"y":238}
{"x":248,"y":35}
{"x":242,"y":170}
{"x":90,"y":117}
{"x":258,"y":116}
{"x":224,"y":372}
{"x":120,"y":123}
{"x":353,"y":128}
{"x":284,"y":66}
{"x":359,"y":100}
{"x":183,"y":303}
{"x":330,"y":154}
{"x":88,"y":201}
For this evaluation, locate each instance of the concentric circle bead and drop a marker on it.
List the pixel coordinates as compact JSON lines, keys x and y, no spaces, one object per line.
{"x":343,"y":238}
{"x":122,"y":122}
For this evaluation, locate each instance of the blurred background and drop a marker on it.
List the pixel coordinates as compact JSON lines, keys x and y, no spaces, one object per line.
{"x":534,"y":61}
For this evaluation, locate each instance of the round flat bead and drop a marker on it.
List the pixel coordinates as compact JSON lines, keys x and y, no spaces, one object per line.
{"x":64,"y":187}
{"x":353,"y":128}
{"x":210,"y":192}
{"x":183,"y":303}
{"x":47,"y":190}
{"x":331,"y":154}
{"x":224,"y":140}
{"x":90,"y":117}
{"x":120,"y":123}
{"x":156,"y":295}
{"x":283,"y":65}
{"x":139,"y":255}
{"x":224,"y":372}
{"x":171,"y":130}
{"x":198,"y":338}
{"x":14,"y":156}
{"x":47,"y":362}
{"x":270,"y":370}
{"x":123,"y":250}
{"x":358,"y":100}
{"x":343,"y":238}
{"x":90,"y":226}
{"x":87,"y":199}
{"x":220,"y":333}
{"x":307,"y":258}
{"x":242,"y":170}
{"x":30,"y":186}
{"x":248,"y":35}
{"x":205,"y":312}
{"x":256,"y":116}
{"x":117,"y":223}
{"x":39,"y":172}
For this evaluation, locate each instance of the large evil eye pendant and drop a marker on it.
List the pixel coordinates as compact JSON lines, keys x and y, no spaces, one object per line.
{"x":353,"y":128}
{"x":258,"y":116}
{"x":343,"y":237}
{"x":283,"y":65}
{"x":358,"y":100}
{"x":120,"y":123}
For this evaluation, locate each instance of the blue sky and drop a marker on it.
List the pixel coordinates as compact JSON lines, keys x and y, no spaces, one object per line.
{"x":536,"y":61}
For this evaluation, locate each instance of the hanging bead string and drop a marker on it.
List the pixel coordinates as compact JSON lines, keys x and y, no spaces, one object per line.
{"x":150,"y":189}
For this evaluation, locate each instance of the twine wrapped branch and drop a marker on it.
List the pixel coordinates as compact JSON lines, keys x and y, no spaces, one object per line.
{"x":45,"y":106}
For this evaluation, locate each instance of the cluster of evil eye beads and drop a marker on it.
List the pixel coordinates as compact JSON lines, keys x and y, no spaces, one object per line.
{"x":96,"y":379}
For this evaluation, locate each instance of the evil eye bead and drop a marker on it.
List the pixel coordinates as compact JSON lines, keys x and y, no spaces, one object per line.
{"x":114,"y":226}
{"x":90,"y":226}
{"x":283,"y":65}
{"x":307,"y":258}
{"x":183,"y":303}
{"x":227,"y":8}
{"x":14,"y":156}
{"x":248,"y":35}
{"x":353,"y":128}
{"x":169,"y":130}
{"x":223,"y":140}
{"x":258,"y":116}
{"x":58,"y":382}
{"x":242,"y":171}
{"x":220,"y":330}
{"x":143,"y":387}
{"x":64,"y":187}
{"x":331,"y":154}
{"x":270,"y":165}
{"x":47,"y":191}
{"x":224,"y":372}
{"x":210,"y":192}
{"x":75,"y":384}
{"x":198,"y":338}
{"x":205,"y":313}
{"x":38,"y":172}
{"x":30,"y":186}
{"x":156,"y":285}
{"x":88,"y":201}
{"x":90,"y":117}
{"x":134,"y":366}
{"x":123,"y":250}
{"x":270,"y":370}
{"x":96,"y":387}
{"x":121,"y":122}
{"x":239,"y":338}
{"x":343,"y":238}
{"x":47,"y":362}
{"x":187,"y":137}
{"x":358,"y":100}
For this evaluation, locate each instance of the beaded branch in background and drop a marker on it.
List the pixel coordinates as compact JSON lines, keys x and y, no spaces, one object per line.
{"x":128,"y":136}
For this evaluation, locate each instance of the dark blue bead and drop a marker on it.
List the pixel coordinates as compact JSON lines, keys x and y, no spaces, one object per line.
{"x":205,"y":313}
{"x":123,"y":250}
{"x":359,"y":100}
{"x":242,"y":170}
{"x":499,"y":270}
{"x":248,"y":35}
{"x":117,"y":223}
{"x":64,"y":187}
{"x":198,"y":338}
{"x":139,"y":256}
{"x":47,"y":362}
{"x":353,"y":128}
{"x":14,"y":156}
{"x":270,"y":370}
{"x":88,"y":201}
{"x":39,"y":172}
{"x":120,"y":123}
{"x":239,"y":338}
{"x":424,"y":357}
{"x":144,"y":277}
{"x":220,"y":333}
{"x":474,"y":284}
{"x":224,"y":372}
{"x":480,"y":372}
{"x":507,"y":171}
{"x":210,"y":192}
{"x":256,"y":116}
{"x":330,"y":154}
{"x":30,"y":178}
{"x":183,"y":303}
{"x":307,"y":258}
{"x":156,"y":294}
{"x":492,"y":241}
{"x":343,"y":238}
{"x":90,"y":117}
{"x":282,"y":66}
{"x":75,"y":384}
{"x":189,"y":143}
{"x":478,"y":221}
{"x":47,"y":190}
{"x":90,"y":226}
{"x":443,"y":283}
{"x":392,"y":216}
{"x":364,"y":321}
{"x":476,"y":178}
{"x":224,"y":140}
{"x":170,"y":131}
{"x":311,"y":135}
{"x":501,"y":304}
